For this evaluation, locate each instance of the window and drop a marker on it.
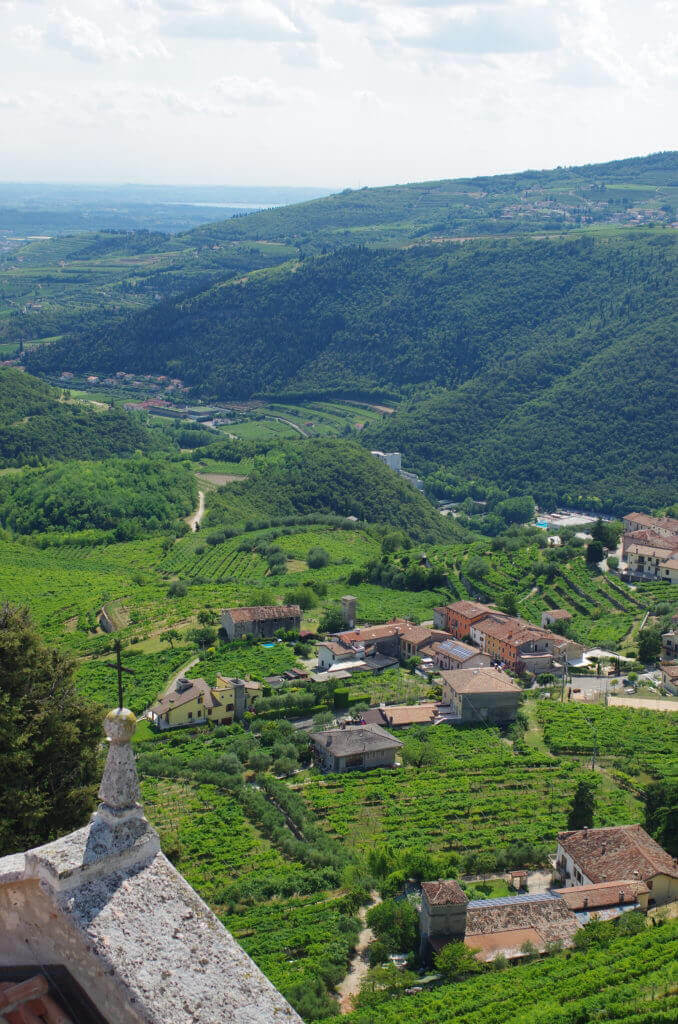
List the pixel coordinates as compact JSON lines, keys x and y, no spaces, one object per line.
{"x":190,"y":714}
{"x":649,"y":883}
{"x":209,"y":711}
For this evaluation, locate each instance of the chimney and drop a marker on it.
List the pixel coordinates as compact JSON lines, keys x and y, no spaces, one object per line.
{"x":636,"y":875}
{"x":621,"y":895}
{"x":586,"y":831}
{"x":586,"y":902}
{"x":603,"y":849}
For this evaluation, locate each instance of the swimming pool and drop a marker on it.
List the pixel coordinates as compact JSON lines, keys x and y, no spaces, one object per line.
{"x":542,"y":524}
{"x":268,"y":645}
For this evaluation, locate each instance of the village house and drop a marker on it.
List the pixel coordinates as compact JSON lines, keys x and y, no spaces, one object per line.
{"x":454,"y":654}
{"x":457,"y":618}
{"x":98,"y":927}
{"x":481,"y":695}
{"x":260,"y":620}
{"x":354,"y":747}
{"x":606,"y":900}
{"x":194,"y":702}
{"x":492,"y":927}
{"x":670,"y":678}
{"x":374,"y":648}
{"x":670,"y":645}
{"x":662,"y":525}
{"x":591,"y":856}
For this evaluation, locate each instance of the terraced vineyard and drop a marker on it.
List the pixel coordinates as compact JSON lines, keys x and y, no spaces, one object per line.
{"x":477,"y":795}
{"x":638,"y":740}
{"x":220,"y":563}
{"x":633,"y":981}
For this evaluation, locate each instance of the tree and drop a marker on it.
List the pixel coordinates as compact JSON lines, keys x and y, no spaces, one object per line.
{"x":583,"y":804}
{"x":456,"y":959}
{"x":332,"y":621}
{"x":203,"y":637}
{"x":384,"y":981}
{"x":594,"y":552}
{"x":49,"y":739}
{"x":317,"y":558}
{"x":259,"y":761}
{"x":612,"y":562}
{"x":508,"y":603}
{"x":169,"y":636}
{"x":177,"y":588}
{"x":649,"y":644}
{"x":395,"y":924}
{"x":661,"y":814}
{"x":207,"y":617}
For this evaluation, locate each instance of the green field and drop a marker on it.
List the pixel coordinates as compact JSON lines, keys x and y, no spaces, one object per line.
{"x":472,"y":794}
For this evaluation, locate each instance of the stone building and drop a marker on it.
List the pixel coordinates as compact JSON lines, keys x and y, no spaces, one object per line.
{"x":108,"y":931}
{"x":260,"y":620}
{"x":481,"y":695}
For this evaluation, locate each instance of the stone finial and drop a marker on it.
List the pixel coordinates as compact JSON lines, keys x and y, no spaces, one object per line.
{"x":119,"y":789}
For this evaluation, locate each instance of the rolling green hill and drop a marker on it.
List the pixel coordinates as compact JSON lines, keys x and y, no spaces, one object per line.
{"x":501,"y":204}
{"x":37,"y":425}
{"x":328,"y":475}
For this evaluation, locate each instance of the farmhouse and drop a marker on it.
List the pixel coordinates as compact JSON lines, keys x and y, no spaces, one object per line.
{"x":354,"y":747}
{"x":591,"y":856}
{"x":260,"y":620}
{"x":481,"y":695}
{"x":492,"y":927}
{"x":104,"y":930}
{"x":193,"y":702}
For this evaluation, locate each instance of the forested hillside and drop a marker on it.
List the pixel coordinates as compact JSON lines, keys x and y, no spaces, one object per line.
{"x":335,"y":476}
{"x":36,"y":424}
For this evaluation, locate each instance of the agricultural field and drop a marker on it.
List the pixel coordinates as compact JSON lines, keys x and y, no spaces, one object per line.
{"x":394,"y":686}
{"x":472,"y":793}
{"x":638,"y":742}
{"x":632,"y":981}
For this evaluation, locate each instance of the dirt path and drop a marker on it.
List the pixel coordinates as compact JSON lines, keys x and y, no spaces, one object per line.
{"x":350,"y":986}
{"x":290,"y":423}
{"x":195,"y":518}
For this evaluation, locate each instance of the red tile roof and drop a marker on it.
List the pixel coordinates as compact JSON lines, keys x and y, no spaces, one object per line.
{"x":175,"y":698}
{"x":606,"y":854}
{"x":559,"y":613}
{"x":442,"y":892}
{"x":479,"y":680}
{"x":469,"y":609}
{"x":606,"y":894}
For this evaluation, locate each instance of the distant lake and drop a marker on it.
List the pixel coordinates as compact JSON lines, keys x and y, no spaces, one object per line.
{"x":231,"y":206}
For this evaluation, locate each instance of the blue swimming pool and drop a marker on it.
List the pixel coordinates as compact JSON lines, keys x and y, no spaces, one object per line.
{"x":268,"y":645}
{"x":542,"y":524}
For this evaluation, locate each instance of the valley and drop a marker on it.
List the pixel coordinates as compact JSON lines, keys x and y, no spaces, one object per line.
{"x":310,"y":473}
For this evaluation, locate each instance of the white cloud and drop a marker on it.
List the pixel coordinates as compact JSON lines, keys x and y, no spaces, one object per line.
{"x":88,"y":41}
{"x":583,"y":72}
{"x":26,"y":37}
{"x":259,"y":20}
{"x":496,"y":31}
{"x":262,"y":92}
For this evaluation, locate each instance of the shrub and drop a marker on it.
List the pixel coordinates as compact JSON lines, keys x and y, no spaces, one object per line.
{"x":317,"y":558}
{"x":177,"y":588}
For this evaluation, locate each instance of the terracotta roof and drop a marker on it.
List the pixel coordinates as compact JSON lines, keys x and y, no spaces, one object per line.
{"x":175,"y":698}
{"x":402,"y":714}
{"x":263,"y":613}
{"x":340,"y":650}
{"x":607,"y":894}
{"x":547,"y":914}
{"x":671,"y":563}
{"x":439,"y":893}
{"x":469,"y":609}
{"x":559,"y":613}
{"x":606,"y":854}
{"x":355,"y":739}
{"x":515,"y":632}
{"x":479,"y":680}
{"x":508,"y":942}
{"x":670,"y":670}
{"x":367,"y":633}
{"x":652,"y":521}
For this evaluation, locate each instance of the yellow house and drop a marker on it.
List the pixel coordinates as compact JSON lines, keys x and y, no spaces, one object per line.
{"x":193,"y":702}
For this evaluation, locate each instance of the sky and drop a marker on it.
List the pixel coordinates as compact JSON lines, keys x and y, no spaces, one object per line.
{"x":329,"y":93}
